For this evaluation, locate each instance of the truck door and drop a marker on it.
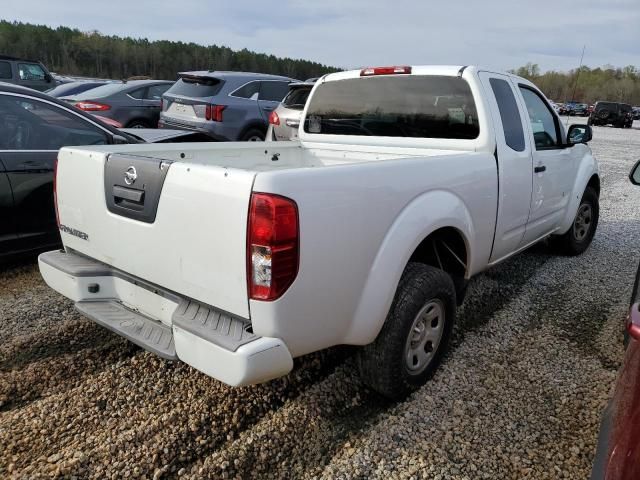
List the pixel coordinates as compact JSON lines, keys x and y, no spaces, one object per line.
{"x":513,"y":162}
{"x":553,"y":166}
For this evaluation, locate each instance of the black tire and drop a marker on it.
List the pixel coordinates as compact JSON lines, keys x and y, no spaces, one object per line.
{"x":578,"y":238}
{"x":384,"y":364}
{"x":603,"y":114}
{"x":253,"y":135}
{"x":137,"y":124}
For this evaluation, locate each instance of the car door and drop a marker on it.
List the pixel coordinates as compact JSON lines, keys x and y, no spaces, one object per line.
{"x":271,"y":94}
{"x":33,"y":132}
{"x":34,"y":76}
{"x":553,"y":165}
{"x":151,"y":102}
{"x":514,"y":164}
{"x":8,"y":234}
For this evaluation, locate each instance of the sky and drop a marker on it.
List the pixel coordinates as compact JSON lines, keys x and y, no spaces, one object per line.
{"x":500,"y":34}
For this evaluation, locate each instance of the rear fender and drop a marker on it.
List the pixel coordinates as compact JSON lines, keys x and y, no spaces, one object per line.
{"x":423,"y":216}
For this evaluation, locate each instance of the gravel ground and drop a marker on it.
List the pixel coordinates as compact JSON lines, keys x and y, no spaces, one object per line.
{"x":534,"y":357}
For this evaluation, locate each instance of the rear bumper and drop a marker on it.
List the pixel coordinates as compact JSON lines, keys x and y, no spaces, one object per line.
{"x":211,"y":130}
{"x":214,"y":342}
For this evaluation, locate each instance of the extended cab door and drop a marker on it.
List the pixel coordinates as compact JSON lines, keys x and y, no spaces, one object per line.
{"x":513,"y":163}
{"x":554,"y":166}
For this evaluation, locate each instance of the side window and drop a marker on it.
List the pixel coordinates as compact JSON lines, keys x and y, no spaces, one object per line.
{"x":33,"y":125}
{"x":30,"y":71}
{"x":155,"y":92}
{"x":138,"y":94}
{"x":247,"y":91}
{"x":273,"y":91}
{"x":5,"y":70}
{"x":509,"y":113}
{"x":542,"y":120}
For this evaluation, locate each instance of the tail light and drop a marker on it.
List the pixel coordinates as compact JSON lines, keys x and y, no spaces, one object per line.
{"x":274,"y":119}
{"x":368,"y":72}
{"x":55,"y":190}
{"x":214,"y":112}
{"x":272,"y":246}
{"x":93,"y":106}
{"x":633,"y":324}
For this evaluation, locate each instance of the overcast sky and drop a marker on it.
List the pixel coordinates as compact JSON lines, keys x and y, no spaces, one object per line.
{"x":352,"y":33}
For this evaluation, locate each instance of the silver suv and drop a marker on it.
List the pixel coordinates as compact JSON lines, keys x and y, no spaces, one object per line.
{"x":229,"y":106}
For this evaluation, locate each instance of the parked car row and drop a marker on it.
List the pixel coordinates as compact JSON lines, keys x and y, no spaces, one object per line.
{"x":33,"y":127}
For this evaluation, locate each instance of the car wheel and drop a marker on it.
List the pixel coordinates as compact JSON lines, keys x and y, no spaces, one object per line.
{"x":253,"y":135}
{"x":137,"y":124}
{"x":578,"y":238}
{"x":415,"y":334}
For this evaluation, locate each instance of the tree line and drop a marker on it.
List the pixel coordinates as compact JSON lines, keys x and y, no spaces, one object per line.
{"x":73,"y":52}
{"x":587,"y":85}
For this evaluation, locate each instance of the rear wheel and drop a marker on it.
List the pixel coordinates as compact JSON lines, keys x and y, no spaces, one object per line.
{"x":253,"y":135}
{"x":137,"y":124}
{"x":415,"y":334}
{"x":579,"y":237}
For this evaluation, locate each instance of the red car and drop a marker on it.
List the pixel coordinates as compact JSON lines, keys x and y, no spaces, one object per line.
{"x":618,"y":452}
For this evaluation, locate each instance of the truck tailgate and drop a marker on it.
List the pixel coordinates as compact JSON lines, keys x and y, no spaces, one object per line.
{"x":179,"y":225}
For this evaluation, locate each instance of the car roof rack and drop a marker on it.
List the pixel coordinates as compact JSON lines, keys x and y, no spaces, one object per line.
{"x":9,"y":57}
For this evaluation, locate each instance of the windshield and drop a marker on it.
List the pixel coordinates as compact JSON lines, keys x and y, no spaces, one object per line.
{"x":394,"y":106}
{"x":297,"y":98}
{"x":196,"y":87}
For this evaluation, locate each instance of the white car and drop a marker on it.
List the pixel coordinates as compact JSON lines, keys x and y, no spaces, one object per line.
{"x":406,"y":182}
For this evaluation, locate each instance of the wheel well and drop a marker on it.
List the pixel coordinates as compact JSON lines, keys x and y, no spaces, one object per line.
{"x":445,"y":249}
{"x":253,"y":126}
{"x":594,"y":182}
{"x":138,"y":120}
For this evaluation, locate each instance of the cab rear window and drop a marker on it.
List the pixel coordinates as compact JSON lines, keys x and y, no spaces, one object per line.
{"x":394,"y":106}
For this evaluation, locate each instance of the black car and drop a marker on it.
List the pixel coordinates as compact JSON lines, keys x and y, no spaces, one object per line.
{"x":33,"y":127}
{"x":611,"y":113}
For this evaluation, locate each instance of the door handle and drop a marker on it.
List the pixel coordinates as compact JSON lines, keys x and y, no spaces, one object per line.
{"x":539,"y":169}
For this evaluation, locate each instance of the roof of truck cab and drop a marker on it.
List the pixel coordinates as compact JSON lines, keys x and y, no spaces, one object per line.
{"x":446,"y":70}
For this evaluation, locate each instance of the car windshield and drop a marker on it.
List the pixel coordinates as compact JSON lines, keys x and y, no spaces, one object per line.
{"x":297,"y":98}
{"x":394,"y":106}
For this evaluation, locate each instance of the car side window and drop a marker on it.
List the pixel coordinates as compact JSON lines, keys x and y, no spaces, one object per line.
{"x":273,"y":91}
{"x":30,"y":71}
{"x":155,"y":92}
{"x":509,"y":113}
{"x":5,"y":70}
{"x":138,"y":94}
{"x":29,"y":124}
{"x":247,"y":91}
{"x":543,"y":122}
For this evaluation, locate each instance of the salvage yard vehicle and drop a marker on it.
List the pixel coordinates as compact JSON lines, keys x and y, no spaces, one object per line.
{"x":229,"y":106}
{"x":406,"y":182}
{"x":285,"y":120}
{"x":611,"y":113}
{"x":133,"y":103}
{"x":33,"y":127}
{"x":619,"y":439}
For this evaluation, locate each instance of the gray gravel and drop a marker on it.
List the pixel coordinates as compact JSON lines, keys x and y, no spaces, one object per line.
{"x":534,"y":357}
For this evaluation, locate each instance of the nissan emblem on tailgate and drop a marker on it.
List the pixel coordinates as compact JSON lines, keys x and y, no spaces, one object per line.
{"x":130,"y":175}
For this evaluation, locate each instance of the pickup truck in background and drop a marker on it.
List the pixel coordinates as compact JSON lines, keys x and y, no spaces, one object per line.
{"x":406,"y":182}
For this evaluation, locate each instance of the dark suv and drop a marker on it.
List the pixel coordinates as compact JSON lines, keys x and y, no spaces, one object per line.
{"x":611,"y":113}
{"x":229,"y":106}
{"x":26,"y":73}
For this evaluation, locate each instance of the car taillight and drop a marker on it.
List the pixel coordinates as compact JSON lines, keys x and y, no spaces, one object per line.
{"x":93,"y":106}
{"x":633,"y":325}
{"x":274,"y":119}
{"x":395,"y":70}
{"x":55,"y":190}
{"x":272,"y":246}
{"x":214,"y":112}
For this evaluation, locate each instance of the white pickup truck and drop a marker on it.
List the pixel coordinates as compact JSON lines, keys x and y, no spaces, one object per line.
{"x":406,"y":181}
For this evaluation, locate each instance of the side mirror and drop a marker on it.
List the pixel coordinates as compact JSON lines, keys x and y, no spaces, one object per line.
{"x":48,"y":78}
{"x":634,"y":176}
{"x":579,"y":134}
